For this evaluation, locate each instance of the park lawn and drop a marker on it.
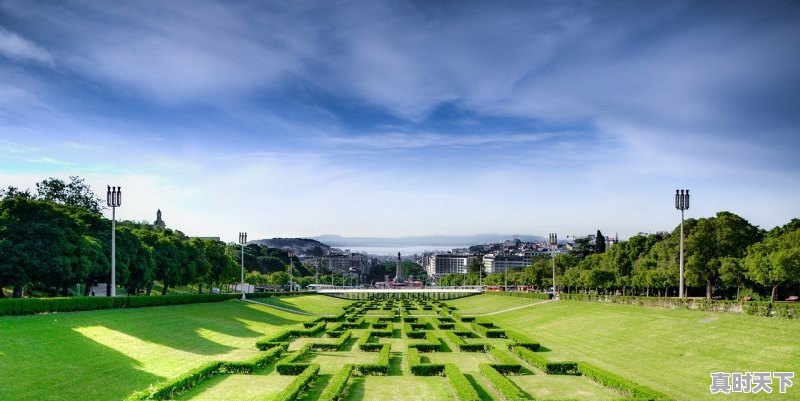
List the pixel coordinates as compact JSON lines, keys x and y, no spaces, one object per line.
{"x":487,"y":303}
{"x":311,"y":304}
{"x":407,"y":388}
{"x":257,"y":387}
{"x":672,"y":351}
{"x":558,"y":387}
{"x":108,"y":354}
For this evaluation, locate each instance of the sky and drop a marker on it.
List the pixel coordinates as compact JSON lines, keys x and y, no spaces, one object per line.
{"x":404,"y":118}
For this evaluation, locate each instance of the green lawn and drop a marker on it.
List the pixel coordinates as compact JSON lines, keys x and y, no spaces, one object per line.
{"x":314,"y":304}
{"x":485,"y":303}
{"x":672,"y":351}
{"x":108,"y":354}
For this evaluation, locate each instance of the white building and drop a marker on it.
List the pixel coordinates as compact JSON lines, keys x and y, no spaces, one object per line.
{"x":493,"y":263}
{"x":447,"y":263}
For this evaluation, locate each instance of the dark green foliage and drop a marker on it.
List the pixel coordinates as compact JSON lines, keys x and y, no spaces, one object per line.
{"x":30,"y":306}
{"x":611,"y":380}
{"x":505,"y":387}
{"x":551,"y":368}
{"x":486,"y":329}
{"x":337,"y":387}
{"x":505,"y":363}
{"x":462,"y":387}
{"x":521,"y":340}
{"x":298,"y":385}
{"x":381,"y":368}
{"x":422,"y":369}
{"x":432,"y":343}
{"x":289,"y":364}
{"x":463,"y":346}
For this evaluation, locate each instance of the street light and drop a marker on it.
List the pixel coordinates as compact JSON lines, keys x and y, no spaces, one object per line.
{"x":554,"y":246}
{"x":681,"y":203}
{"x":291,"y":265}
{"x":114,"y":200}
{"x":242,"y":241}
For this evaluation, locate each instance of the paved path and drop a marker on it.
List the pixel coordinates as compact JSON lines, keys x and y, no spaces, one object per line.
{"x":515,"y":308}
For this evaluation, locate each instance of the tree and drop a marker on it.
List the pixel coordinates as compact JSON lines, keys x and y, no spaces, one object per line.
{"x":600,"y":243}
{"x":775,"y":261}
{"x":583,"y":248}
{"x":76,"y":193}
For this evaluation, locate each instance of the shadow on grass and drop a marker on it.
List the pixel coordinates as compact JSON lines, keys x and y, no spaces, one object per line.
{"x":482,"y":393}
{"x":83,"y":369}
{"x":316,"y":389}
{"x":542,"y":348}
{"x":395,"y":364}
{"x":397,"y":333}
{"x":356,"y":390}
{"x":181,"y":327}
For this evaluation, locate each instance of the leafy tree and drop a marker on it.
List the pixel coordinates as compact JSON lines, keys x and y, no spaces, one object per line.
{"x":776,"y":261}
{"x":76,"y":193}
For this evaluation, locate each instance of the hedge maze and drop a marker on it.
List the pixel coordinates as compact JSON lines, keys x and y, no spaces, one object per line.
{"x":404,"y":344}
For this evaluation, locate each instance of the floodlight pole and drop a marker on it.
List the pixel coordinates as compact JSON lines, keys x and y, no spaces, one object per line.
{"x":114,"y":200}
{"x":554,"y":247}
{"x":242,"y":241}
{"x":681,"y":203}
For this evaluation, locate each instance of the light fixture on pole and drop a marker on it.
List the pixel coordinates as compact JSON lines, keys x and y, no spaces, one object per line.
{"x":242,"y":241}
{"x":114,"y":200}
{"x":554,"y":247}
{"x":681,"y":203}
{"x":291,"y":276}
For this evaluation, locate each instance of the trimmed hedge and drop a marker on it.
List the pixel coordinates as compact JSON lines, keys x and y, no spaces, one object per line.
{"x":488,"y":330}
{"x":532,"y":295}
{"x":506,"y":363}
{"x":422,"y":369}
{"x":170,"y":388}
{"x":298,"y":385}
{"x":463,"y":389}
{"x":464,"y":346}
{"x":381,"y":368}
{"x":366,"y":342}
{"x":31,"y":306}
{"x":612,"y":380}
{"x":551,"y":368}
{"x":432,"y":343}
{"x":334,"y":346}
{"x":289,"y":366}
{"x":283,"y":337}
{"x":505,"y":387}
{"x":337,"y":387}
{"x":520,"y":340}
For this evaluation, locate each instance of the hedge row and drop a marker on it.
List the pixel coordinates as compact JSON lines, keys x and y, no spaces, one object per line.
{"x":463,"y":332}
{"x":506,"y":363}
{"x":464,"y":346}
{"x":283,"y":337}
{"x":337,"y":387}
{"x":465,"y":319}
{"x":612,"y":380}
{"x":170,"y":388}
{"x":367,"y":343}
{"x":381,"y":368}
{"x":289,"y":365}
{"x":520,"y":340}
{"x":431,"y":343}
{"x":463,"y":388}
{"x":337,"y":345}
{"x":297,"y":386}
{"x":411,"y":333}
{"x":487,"y":330}
{"x":551,"y":368}
{"x":422,"y":369}
{"x":505,"y":387}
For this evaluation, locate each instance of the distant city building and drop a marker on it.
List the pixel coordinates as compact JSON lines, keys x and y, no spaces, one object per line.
{"x":346,"y":262}
{"x":438,"y":265}
{"x":494,"y":263}
{"x":159,"y":223}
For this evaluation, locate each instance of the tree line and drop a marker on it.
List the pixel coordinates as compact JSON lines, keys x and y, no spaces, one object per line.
{"x":724,"y":256}
{"x":55,"y":237}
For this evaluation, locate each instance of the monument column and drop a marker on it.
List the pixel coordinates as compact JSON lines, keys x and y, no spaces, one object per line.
{"x":398,"y":276}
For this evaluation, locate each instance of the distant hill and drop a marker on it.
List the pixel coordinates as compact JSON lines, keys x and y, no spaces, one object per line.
{"x":300,"y":246}
{"x":434,"y":240}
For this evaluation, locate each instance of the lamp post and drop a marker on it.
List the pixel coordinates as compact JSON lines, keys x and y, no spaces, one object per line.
{"x":291,"y":277}
{"x":554,"y":247}
{"x":505,"y":271}
{"x":681,"y":203}
{"x":114,"y":200}
{"x":242,"y":241}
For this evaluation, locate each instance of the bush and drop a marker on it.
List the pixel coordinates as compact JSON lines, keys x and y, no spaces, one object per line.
{"x":532,"y":295}
{"x":168,"y":389}
{"x":30,"y":306}
{"x":337,"y":387}
{"x":334,"y":346}
{"x":521,"y":340}
{"x":432,"y":343}
{"x":379,"y":368}
{"x":505,"y":387}
{"x":422,"y":369}
{"x":506,"y":363}
{"x":464,"y":346}
{"x":289,"y":365}
{"x":296,"y":387}
{"x":611,"y":380}
{"x":488,"y":330}
{"x":551,"y":368}
{"x":463,"y":389}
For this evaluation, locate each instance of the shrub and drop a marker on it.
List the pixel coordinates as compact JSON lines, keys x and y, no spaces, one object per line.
{"x":289,"y":365}
{"x":463,"y":389}
{"x":611,"y":380}
{"x":337,"y":387}
{"x":488,"y":330}
{"x":422,"y":369}
{"x":505,"y":387}
{"x":532,"y":295}
{"x":334,"y":346}
{"x":296,"y":387}
{"x":520,"y":340}
{"x":551,"y":368}
{"x":170,"y":388}
{"x":506,"y":363}
{"x":379,"y":368}
{"x":432,"y":343}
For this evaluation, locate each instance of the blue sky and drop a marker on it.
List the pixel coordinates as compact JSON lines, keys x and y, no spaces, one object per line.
{"x":396,"y":118}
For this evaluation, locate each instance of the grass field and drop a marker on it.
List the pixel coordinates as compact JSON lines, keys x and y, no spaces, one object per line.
{"x":106,"y":355}
{"x":312,"y":304}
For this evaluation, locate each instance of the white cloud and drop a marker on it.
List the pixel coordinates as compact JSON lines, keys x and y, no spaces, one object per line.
{"x":398,"y":140}
{"x":17,"y":47}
